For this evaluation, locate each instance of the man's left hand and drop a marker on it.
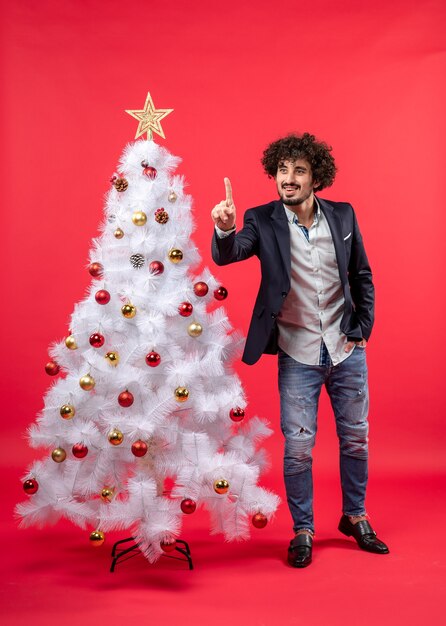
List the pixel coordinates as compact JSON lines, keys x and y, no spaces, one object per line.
{"x":349,"y":345}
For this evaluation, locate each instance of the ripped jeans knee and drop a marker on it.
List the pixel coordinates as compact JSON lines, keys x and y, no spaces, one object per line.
{"x":298,"y":453}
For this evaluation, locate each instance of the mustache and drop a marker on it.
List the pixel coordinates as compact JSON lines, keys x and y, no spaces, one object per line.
{"x":290,"y":185}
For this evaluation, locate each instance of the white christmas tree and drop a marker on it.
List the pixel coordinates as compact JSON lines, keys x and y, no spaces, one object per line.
{"x":147,"y":391}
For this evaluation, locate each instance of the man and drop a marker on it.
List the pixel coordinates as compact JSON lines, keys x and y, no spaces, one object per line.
{"x":315,"y":307}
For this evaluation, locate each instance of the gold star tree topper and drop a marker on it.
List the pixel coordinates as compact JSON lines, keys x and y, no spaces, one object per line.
{"x":149,"y":119}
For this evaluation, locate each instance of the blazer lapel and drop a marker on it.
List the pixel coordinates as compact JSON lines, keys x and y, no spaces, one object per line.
{"x":282,"y":231}
{"x":335,"y":226}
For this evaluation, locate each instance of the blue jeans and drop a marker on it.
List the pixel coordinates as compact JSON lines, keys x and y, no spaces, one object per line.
{"x":300,"y":386}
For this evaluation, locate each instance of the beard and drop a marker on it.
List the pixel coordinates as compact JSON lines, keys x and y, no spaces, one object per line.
{"x":293,"y":201}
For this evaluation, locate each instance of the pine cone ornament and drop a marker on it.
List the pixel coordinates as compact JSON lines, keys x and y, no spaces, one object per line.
{"x":120,"y":184}
{"x":161,"y":216}
{"x":137,"y":260}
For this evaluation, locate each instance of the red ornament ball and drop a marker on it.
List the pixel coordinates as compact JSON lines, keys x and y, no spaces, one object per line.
{"x":30,"y":486}
{"x":125,"y":398}
{"x":153,"y":359}
{"x":52,"y":368}
{"x":96,"y":269}
{"x":168,"y":545}
{"x":97,"y":340}
{"x":150,"y":172}
{"x":185,"y":309}
{"x":259,"y":520}
{"x":221,"y":293}
{"x":79,"y":450}
{"x":139,"y":448}
{"x":102,"y":296}
{"x":237,"y":414}
{"x":200,"y":289}
{"x":188,"y":506}
{"x":156,"y":267}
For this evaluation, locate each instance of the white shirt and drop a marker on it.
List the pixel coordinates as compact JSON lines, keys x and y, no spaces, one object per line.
{"x":313,"y":309}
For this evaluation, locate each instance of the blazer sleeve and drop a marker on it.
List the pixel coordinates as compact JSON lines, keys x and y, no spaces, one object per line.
{"x":238,"y":246}
{"x":361,"y":283}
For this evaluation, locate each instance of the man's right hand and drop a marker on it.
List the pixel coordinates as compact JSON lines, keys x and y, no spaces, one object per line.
{"x":223,"y":213}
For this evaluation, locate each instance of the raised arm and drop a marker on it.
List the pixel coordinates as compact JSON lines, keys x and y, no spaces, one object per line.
{"x":223,"y":213}
{"x":227,"y":245}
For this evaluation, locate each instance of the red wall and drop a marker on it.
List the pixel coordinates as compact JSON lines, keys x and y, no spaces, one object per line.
{"x":366,"y":77}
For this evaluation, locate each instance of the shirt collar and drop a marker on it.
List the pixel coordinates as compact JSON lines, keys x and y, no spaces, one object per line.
{"x":293,"y":219}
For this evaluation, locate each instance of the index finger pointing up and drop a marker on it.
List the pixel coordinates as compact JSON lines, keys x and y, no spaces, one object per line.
{"x":228,"y":191}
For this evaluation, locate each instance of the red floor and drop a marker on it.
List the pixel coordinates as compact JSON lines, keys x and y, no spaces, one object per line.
{"x":53,"y":576}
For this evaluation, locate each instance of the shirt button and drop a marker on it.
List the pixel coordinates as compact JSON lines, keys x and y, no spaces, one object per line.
{"x":274,"y":315}
{"x":284,"y":294}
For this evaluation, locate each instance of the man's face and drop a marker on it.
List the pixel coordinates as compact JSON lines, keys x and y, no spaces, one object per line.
{"x":294,"y":181}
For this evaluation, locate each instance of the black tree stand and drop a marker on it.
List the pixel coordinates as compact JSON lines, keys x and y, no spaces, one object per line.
{"x":119,"y":554}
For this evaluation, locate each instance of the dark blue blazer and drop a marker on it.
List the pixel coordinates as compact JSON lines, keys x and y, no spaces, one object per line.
{"x":266,"y":234}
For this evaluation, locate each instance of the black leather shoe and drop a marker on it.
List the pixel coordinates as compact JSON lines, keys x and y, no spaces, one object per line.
{"x":364,"y":534}
{"x":300,"y":550}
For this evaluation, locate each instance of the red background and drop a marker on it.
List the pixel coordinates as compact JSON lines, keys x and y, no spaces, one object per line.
{"x":366,"y":77}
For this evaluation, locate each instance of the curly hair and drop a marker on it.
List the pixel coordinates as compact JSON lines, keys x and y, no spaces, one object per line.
{"x":305,"y":146}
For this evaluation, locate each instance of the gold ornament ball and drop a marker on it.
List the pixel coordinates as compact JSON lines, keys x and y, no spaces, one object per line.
{"x":87,"y":382}
{"x":115,"y":437}
{"x":139,"y":218}
{"x":175,"y":255}
{"x":195,"y":329}
{"x":221,"y":486}
{"x":128,"y":311}
{"x":119,"y":233}
{"x":70,"y":342}
{"x":97,"y":538}
{"x":181,"y":394}
{"x":67,"y":411}
{"x":107,"y":494}
{"x":112,"y":358}
{"x":58,"y":455}
{"x":172,"y":196}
